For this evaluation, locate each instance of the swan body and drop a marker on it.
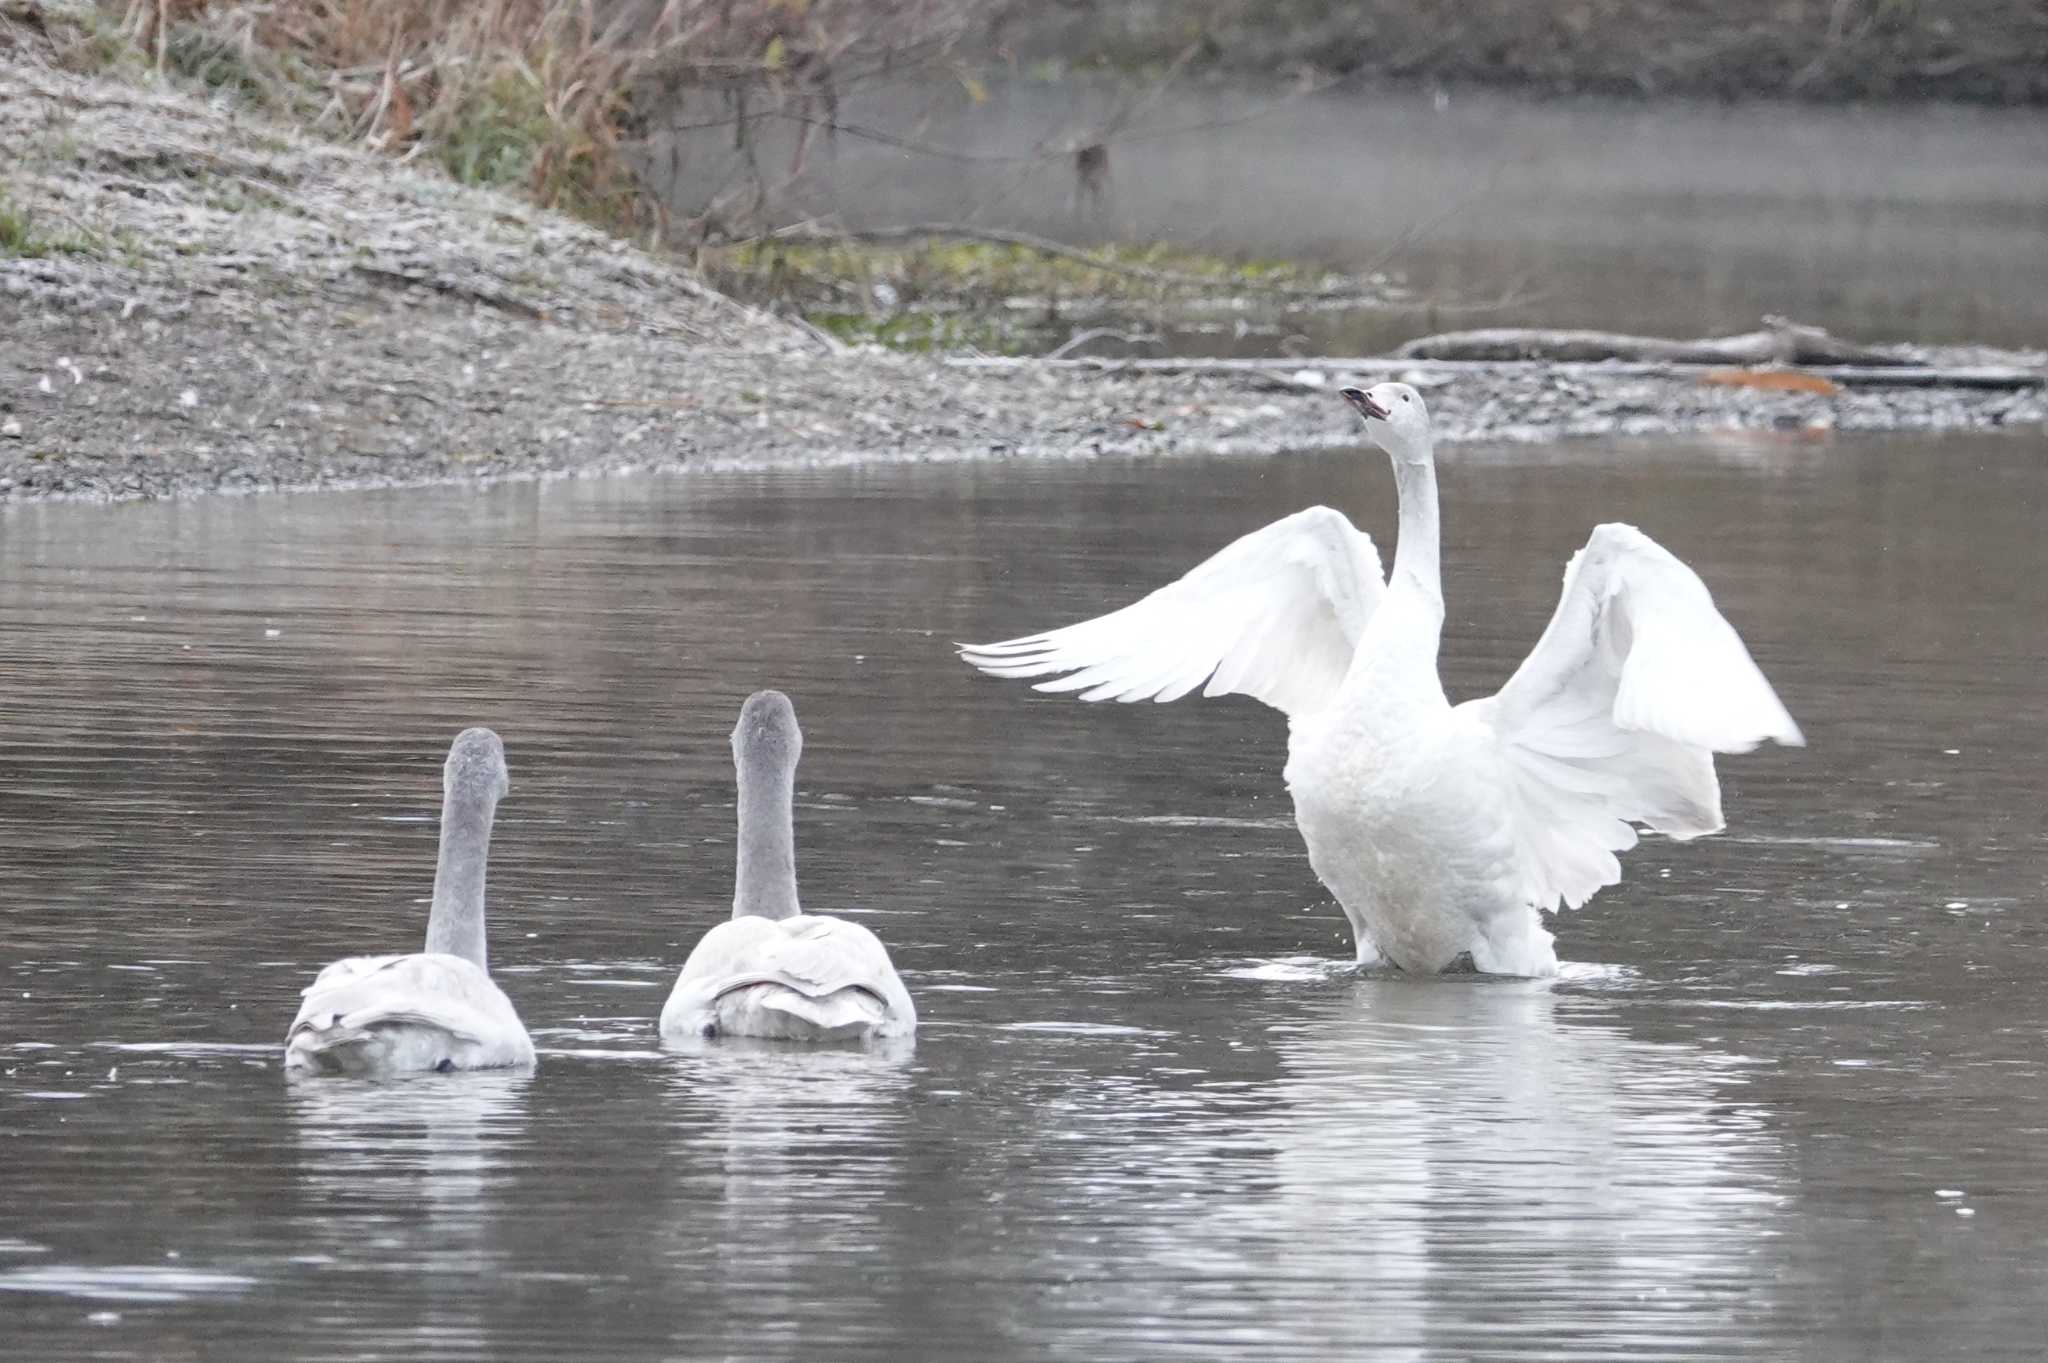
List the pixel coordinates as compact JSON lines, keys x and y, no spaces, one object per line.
{"x":436,"y":1009}
{"x":395,"y":1014}
{"x":772,"y":970}
{"x":806,"y":978}
{"x":1445,"y":832}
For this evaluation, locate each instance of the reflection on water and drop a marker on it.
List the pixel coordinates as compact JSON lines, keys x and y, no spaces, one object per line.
{"x":400,"y":1188}
{"x":120,"y":1283}
{"x":788,"y":1159}
{"x":405,"y":1143}
{"x":1421,"y":1171}
{"x":1787,"y":1099}
{"x":1631,"y":1170}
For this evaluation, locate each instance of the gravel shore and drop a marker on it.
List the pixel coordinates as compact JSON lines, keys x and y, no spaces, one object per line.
{"x":211,"y":302}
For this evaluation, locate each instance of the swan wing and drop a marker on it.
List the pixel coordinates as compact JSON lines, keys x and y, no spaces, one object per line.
{"x":379,"y":1001}
{"x":1614,"y":717}
{"x":1275,"y":615}
{"x":829,"y":954}
{"x":814,"y":956}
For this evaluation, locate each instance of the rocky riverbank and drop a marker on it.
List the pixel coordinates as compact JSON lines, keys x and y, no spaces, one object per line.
{"x":193,"y":300}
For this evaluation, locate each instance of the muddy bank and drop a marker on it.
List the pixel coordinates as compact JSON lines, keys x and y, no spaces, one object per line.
{"x":192,"y":301}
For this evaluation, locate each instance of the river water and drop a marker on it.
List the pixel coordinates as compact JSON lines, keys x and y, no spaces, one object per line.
{"x":1902,"y":223}
{"x":1787,"y":1099}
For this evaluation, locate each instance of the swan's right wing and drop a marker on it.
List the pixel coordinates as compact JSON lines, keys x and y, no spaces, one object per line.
{"x":1615,"y":716}
{"x":1275,"y":615}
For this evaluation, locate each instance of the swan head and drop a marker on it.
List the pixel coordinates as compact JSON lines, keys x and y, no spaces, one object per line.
{"x":766,"y":734}
{"x":476,"y":762}
{"x":1395,"y":420}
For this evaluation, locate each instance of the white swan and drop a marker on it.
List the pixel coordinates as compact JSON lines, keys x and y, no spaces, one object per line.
{"x":773,"y":970}
{"x":1443,"y":831}
{"x":436,"y":1009}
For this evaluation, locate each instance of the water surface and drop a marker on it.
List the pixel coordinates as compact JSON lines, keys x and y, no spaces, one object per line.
{"x":1787,"y":1099}
{"x":1675,"y":218}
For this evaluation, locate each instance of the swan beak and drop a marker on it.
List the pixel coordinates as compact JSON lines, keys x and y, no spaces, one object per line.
{"x":1362,"y":400}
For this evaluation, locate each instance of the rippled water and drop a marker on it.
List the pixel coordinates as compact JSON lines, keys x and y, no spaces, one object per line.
{"x":1788,"y":1098}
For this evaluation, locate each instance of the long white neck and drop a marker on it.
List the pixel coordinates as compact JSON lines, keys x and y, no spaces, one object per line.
{"x":456,"y":923}
{"x":1417,"y":561}
{"x":765,"y":884}
{"x":1395,"y":667}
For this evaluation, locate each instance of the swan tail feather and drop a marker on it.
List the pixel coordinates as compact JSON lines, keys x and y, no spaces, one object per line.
{"x":386,"y":1042}
{"x":779,"y":1011}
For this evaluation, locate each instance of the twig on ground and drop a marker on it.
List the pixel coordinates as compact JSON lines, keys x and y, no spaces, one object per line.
{"x":831,"y":344}
{"x":454,"y":288}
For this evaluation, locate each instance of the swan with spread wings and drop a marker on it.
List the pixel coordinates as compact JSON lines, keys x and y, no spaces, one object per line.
{"x":1445,"y":832}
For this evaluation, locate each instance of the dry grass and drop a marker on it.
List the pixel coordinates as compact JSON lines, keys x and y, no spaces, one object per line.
{"x":540,"y":93}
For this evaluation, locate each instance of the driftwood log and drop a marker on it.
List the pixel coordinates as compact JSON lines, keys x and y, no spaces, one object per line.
{"x":1780,"y":342}
{"x":1286,"y":372}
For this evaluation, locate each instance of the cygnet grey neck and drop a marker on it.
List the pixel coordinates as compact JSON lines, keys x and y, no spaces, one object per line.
{"x":765,"y":884}
{"x":456,"y":924}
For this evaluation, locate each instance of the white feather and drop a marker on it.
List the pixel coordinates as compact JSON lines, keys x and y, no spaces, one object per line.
{"x":1444,"y":832}
{"x":807,"y":978}
{"x":384,"y":1014}
{"x":1275,"y":615}
{"x":1616,"y":714}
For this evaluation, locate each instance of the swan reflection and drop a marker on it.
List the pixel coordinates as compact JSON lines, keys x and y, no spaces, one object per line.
{"x":788,"y":1169}
{"x":1474,"y":1160}
{"x":1435,"y":1166}
{"x":410,"y":1177}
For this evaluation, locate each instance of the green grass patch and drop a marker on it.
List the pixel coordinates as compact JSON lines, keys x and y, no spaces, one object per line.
{"x":930,"y":333}
{"x":943,"y":295}
{"x":978,"y":273}
{"x":496,"y":131}
{"x":22,"y":237}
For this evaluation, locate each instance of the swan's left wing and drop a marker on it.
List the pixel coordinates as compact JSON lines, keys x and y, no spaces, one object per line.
{"x":1614,"y":717}
{"x":1275,"y":615}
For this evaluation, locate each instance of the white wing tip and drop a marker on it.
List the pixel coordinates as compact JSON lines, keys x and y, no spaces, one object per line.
{"x":1781,"y":729}
{"x":1011,"y":658}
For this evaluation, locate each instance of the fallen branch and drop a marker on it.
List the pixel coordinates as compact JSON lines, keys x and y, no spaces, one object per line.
{"x":1892,"y":374}
{"x":1780,"y":342}
{"x":454,"y":288}
{"x":1093,"y":334}
{"x":825,"y":340}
